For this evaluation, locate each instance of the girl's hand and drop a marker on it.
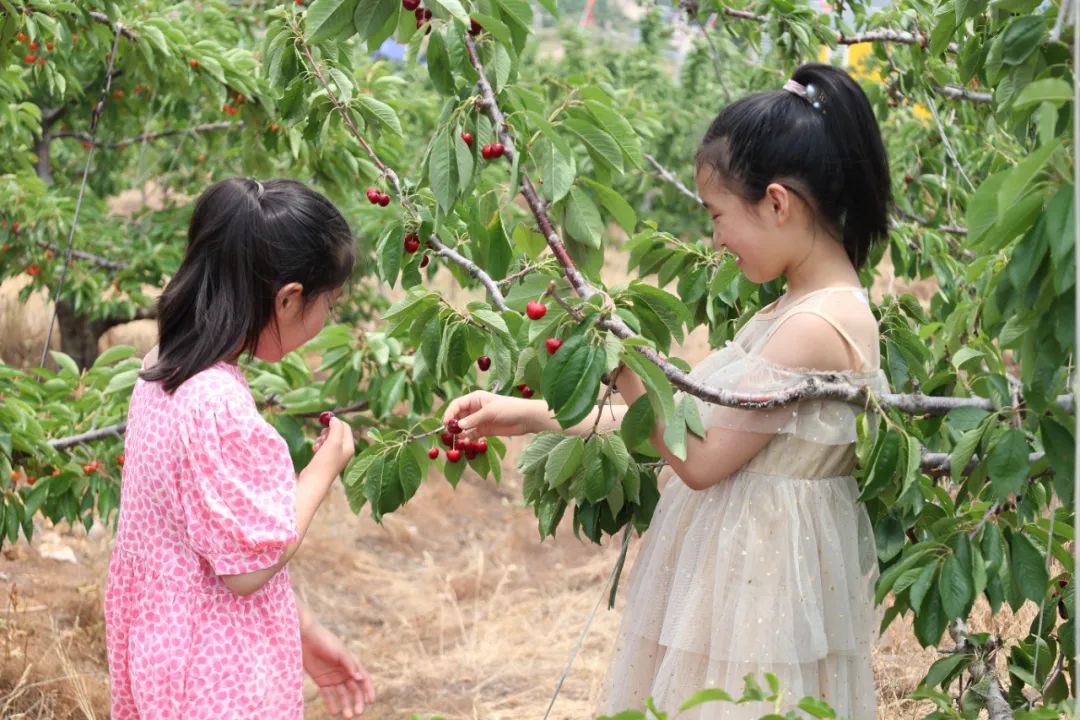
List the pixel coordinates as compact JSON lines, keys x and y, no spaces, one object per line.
{"x":343,"y":682}
{"x":484,"y":413}
{"x":334,"y":448}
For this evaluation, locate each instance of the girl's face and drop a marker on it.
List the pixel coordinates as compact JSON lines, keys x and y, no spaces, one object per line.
{"x":296,"y":321}
{"x":751,"y":232}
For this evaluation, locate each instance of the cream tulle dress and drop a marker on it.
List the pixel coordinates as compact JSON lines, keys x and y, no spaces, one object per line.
{"x":771,"y":569}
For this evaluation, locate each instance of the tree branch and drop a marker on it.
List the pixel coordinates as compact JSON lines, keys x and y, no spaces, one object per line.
{"x":830,"y":386}
{"x":433,"y":242}
{"x":94,"y":259}
{"x":937,"y":464}
{"x":146,"y":137}
{"x":956,"y":93}
{"x":124,"y":30}
{"x":670,"y":177}
{"x":116,"y":430}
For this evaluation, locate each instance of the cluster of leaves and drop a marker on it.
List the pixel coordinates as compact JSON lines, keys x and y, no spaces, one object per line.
{"x":80,"y":485}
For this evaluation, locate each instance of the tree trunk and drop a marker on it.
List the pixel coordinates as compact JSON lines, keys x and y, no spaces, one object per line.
{"x":78,"y":335}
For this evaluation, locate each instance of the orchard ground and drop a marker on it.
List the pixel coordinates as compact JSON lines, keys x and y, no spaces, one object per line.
{"x":453,"y":604}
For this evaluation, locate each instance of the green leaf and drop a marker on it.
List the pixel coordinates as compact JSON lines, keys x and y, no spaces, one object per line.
{"x":945,"y":669}
{"x":619,"y":129}
{"x":438,"y":62}
{"x":1008,"y":463}
{"x":1022,"y":37}
{"x":923,"y":584}
{"x":1027,"y":568}
{"x":816,"y":707}
{"x":371,"y":15}
{"x":453,"y":8}
{"x":67,"y":365}
{"x":408,"y":474}
{"x":557,"y":171}
{"x":704,"y":696}
{"x":381,"y":111}
{"x":956,"y":585}
{"x":391,"y":250}
{"x":441,"y":170}
{"x":656,"y":383}
{"x":563,"y":461}
{"x":930,"y":621}
{"x":549,"y":513}
{"x":614,"y":203}
{"x":536,"y":454}
{"x":583,"y":220}
{"x":1052,"y":90}
{"x":638,"y":423}
{"x":326,"y":19}
{"x":601,"y":146}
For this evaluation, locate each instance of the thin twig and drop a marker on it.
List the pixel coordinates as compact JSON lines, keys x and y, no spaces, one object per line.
{"x":670,"y":177}
{"x":95,"y":116}
{"x":148,"y":136}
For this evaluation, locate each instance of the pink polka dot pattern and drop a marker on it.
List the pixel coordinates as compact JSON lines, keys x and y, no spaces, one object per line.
{"x":208,"y":489}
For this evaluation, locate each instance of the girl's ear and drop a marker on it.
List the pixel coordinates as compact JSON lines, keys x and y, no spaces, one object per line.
{"x":778,"y":203}
{"x":288,"y":301}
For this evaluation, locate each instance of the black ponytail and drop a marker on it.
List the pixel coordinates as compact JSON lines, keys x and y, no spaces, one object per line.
{"x":827,"y":148}
{"x":246,"y":241}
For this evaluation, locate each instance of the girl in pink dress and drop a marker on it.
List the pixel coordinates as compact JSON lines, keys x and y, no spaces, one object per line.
{"x":200,"y":616}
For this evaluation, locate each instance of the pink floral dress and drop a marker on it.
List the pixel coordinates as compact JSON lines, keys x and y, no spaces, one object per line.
{"x":208,"y":490}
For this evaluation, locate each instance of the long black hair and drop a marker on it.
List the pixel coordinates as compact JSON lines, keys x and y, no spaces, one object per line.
{"x":246,"y":241}
{"x":830,"y":154}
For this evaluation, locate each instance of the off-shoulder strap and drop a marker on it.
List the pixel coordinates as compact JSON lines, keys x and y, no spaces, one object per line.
{"x":799,"y":307}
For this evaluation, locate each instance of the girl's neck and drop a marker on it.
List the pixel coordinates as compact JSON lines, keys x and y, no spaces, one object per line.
{"x":825,"y":265}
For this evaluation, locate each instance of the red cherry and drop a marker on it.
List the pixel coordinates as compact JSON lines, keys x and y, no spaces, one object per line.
{"x":15,"y":226}
{"x":474,"y":27}
{"x":31,"y":480}
{"x":91,"y":468}
{"x":470,"y":450}
{"x":526,"y":391}
{"x":373,"y":195}
{"x":29,"y":59}
{"x":384,"y":200}
{"x":33,"y":270}
{"x":193,"y":62}
{"x":453,"y":455}
{"x":447,"y":439}
{"x":412,"y":243}
{"x":21,"y":37}
{"x":483,"y":362}
{"x":325,"y":418}
{"x":497,"y":150}
{"x":419,"y":13}
{"x":433,"y":453}
{"x":467,"y":137}
{"x":909,"y":179}
{"x":419,"y":23}
{"x":118,"y":94}
{"x":86,"y":146}
{"x":553,"y":344}
{"x":424,"y":261}
{"x":453,"y":426}
{"x":481,"y":446}
{"x":34,"y":45}
{"x":485,"y":152}
{"x":427,"y":14}
{"x":41,"y":61}
{"x":410,"y":5}
{"x":49,"y":46}
{"x":120,"y":459}
{"x":535,"y":310}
